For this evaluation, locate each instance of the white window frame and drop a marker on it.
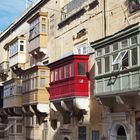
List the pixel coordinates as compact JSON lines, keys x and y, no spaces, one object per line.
{"x":117,"y":60}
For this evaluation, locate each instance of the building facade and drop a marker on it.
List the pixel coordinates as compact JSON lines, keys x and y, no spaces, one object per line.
{"x":50,"y":72}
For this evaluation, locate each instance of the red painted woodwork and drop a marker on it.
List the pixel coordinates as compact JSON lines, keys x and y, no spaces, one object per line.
{"x":76,"y":85}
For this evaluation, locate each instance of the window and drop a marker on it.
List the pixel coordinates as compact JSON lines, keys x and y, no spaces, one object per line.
{"x":99,"y":66}
{"x":125,"y":63}
{"x":119,"y":57}
{"x":134,"y":5}
{"x":81,"y":69}
{"x":19,"y":128}
{"x":43,"y":28}
{"x":60,"y":73}
{"x":95,"y":135}
{"x":107,"y":64}
{"x":34,"y":28}
{"x":107,"y":49}
{"x":115,"y":46}
{"x":52,"y":22}
{"x":124,"y":43}
{"x":134,"y":40}
{"x":99,"y":52}
{"x":56,"y":74}
{"x":71,"y":70}
{"x":82,"y":48}
{"x":66,"y":71}
{"x":82,"y":133}
{"x":115,"y":66}
{"x":22,"y":48}
{"x":52,"y":76}
{"x":42,"y":73}
{"x":43,"y":19}
{"x":134,"y":56}
{"x":42,"y":82}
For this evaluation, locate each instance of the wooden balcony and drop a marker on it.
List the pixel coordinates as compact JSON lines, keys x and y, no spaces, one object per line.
{"x":35,"y":84}
{"x":38,"y":33}
{"x":35,"y":97}
{"x":12,"y":93}
{"x":69,"y":77}
{"x":13,"y":101}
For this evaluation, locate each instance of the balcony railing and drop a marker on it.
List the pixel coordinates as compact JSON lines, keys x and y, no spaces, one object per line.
{"x":71,"y":8}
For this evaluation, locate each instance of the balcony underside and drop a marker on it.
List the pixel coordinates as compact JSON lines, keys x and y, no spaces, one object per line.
{"x":121,"y":102}
{"x":70,"y":104}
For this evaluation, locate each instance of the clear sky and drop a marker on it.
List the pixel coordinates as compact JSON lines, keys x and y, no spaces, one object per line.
{"x":10,"y":10}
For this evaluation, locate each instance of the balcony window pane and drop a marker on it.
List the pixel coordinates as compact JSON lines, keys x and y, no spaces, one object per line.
{"x":107,"y":49}
{"x":82,"y":133}
{"x":42,"y":82}
{"x":52,"y":76}
{"x":44,"y":28}
{"x":60,"y":73}
{"x":42,"y":73}
{"x":99,"y":66}
{"x":124,"y":43}
{"x":81,"y":69}
{"x":71,"y":70}
{"x":66,"y":71}
{"x":56,"y":74}
{"x":134,"y":40}
{"x":134,"y":56}
{"x":115,"y":46}
{"x":99,"y":52}
{"x":125,"y":63}
{"x":32,"y":83}
{"x":107,"y":64}
{"x":116,"y":66}
{"x":21,"y":47}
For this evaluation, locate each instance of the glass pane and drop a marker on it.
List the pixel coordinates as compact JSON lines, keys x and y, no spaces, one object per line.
{"x":71,"y":70}
{"x":66,"y":71}
{"x":134,"y":56}
{"x":42,"y":73}
{"x":21,"y":47}
{"x":124,"y":43}
{"x":56,"y":74}
{"x":107,"y":49}
{"x":99,"y":66}
{"x":107,"y":64}
{"x":42,"y":82}
{"x":116,"y":66}
{"x":134,"y":40}
{"x":82,"y":133}
{"x":19,"y":129}
{"x":52,"y":76}
{"x":43,"y":28}
{"x":95,"y":135}
{"x":115,"y":46}
{"x":125,"y":63}
{"x":99,"y":52}
{"x":81,"y":69}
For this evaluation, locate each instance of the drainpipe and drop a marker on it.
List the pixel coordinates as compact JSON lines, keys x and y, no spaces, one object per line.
{"x":104,"y":16}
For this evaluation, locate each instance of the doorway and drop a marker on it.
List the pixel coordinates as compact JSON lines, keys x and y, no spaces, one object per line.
{"x":121,"y":134}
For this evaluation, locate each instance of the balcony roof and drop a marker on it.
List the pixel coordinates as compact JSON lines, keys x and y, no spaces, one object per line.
{"x":34,"y":68}
{"x":67,"y":59}
{"x":129,"y":30}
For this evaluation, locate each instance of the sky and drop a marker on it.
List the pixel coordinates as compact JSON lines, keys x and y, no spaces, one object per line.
{"x":10,"y":10}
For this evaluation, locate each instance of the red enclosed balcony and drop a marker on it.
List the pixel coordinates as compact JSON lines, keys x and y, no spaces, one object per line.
{"x":69,"y":77}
